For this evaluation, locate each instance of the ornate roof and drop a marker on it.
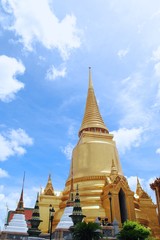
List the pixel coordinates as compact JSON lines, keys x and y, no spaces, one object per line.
{"x":49,"y":187}
{"x":92,"y":119}
{"x":140,"y":192}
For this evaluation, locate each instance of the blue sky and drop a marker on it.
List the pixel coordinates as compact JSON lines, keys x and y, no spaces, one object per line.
{"x":46,"y":48}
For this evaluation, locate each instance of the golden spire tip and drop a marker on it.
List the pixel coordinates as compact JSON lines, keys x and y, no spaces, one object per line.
{"x":90,"y":78}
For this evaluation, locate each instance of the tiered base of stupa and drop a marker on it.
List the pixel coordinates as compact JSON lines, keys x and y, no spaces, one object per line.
{"x":17,"y":224}
{"x":90,"y":191}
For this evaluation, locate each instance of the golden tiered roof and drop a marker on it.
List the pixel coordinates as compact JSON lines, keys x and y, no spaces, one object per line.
{"x":139,"y":190}
{"x":92,"y":120}
{"x":49,"y":187}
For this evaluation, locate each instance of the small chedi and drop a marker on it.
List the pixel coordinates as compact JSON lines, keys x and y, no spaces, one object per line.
{"x":35,"y":221}
{"x":18,"y":223}
{"x":17,"y":227}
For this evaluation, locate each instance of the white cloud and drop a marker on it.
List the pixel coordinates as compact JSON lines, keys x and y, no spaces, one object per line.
{"x":54,"y":73}
{"x":72,"y":132}
{"x":41,"y":25}
{"x":9,"y":85}
{"x":67,"y":150}
{"x":132,"y":181}
{"x":156,"y":54}
{"x":133,"y":98}
{"x":127,"y":138}
{"x":157,"y":74}
{"x":157,"y":69}
{"x":158,"y":151}
{"x":13,"y":142}
{"x":122,"y":53}
{"x":3,"y":173}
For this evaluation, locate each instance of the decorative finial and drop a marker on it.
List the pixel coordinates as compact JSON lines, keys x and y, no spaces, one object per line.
{"x":90,"y":78}
{"x":37,"y":196}
{"x":23,"y":181}
{"x":20,"y":207}
{"x":138,"y":182}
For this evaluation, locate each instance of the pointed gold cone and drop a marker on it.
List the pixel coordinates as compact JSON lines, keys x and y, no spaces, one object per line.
{"x":90,"y":78}
{"x":139,"y":189}
{"x":92,"y":120}
{"x":49,"y":187}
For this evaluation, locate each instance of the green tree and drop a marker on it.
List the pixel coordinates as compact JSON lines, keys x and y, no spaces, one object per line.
{"x":87,"y":231}
{"x":133,"y":231}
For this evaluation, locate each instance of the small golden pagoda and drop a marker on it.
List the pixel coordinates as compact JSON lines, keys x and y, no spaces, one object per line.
{"x":46,"y":199}
{"x":145,"y":210}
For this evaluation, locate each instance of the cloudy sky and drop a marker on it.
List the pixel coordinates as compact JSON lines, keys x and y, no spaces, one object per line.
{"x":46,"y":48}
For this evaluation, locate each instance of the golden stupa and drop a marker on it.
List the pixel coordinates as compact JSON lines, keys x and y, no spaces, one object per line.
{"x":96,"y":168}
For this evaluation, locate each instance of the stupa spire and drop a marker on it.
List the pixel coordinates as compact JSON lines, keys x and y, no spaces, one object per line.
{"x":77,"y":210}
{"x":35,"y":220}
{"x":139,"y":190}
{"x":49,"y":187}
{"x":20,"y":205}
{"x":92,"y":120}
{"x":35,"y":214}
{"x":77,"y":215}
{"x":90,"y":78}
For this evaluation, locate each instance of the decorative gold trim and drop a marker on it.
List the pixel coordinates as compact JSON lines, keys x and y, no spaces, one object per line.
{"x":89,"y":178}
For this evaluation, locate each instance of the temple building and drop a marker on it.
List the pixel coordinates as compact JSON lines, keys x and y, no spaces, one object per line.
{"x":46,"y":198}
{"x":97,"y":170}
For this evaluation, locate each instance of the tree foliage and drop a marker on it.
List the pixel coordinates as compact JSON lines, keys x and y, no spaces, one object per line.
{"x":87,"y":231}
{"x":133,"y":231}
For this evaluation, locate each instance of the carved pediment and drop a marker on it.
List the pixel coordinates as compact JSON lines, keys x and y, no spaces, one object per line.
{"x":117,"y":180}
{"x":144,"y":195}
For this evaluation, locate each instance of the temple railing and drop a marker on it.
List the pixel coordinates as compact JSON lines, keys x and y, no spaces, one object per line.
{"x":108,"y":231}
